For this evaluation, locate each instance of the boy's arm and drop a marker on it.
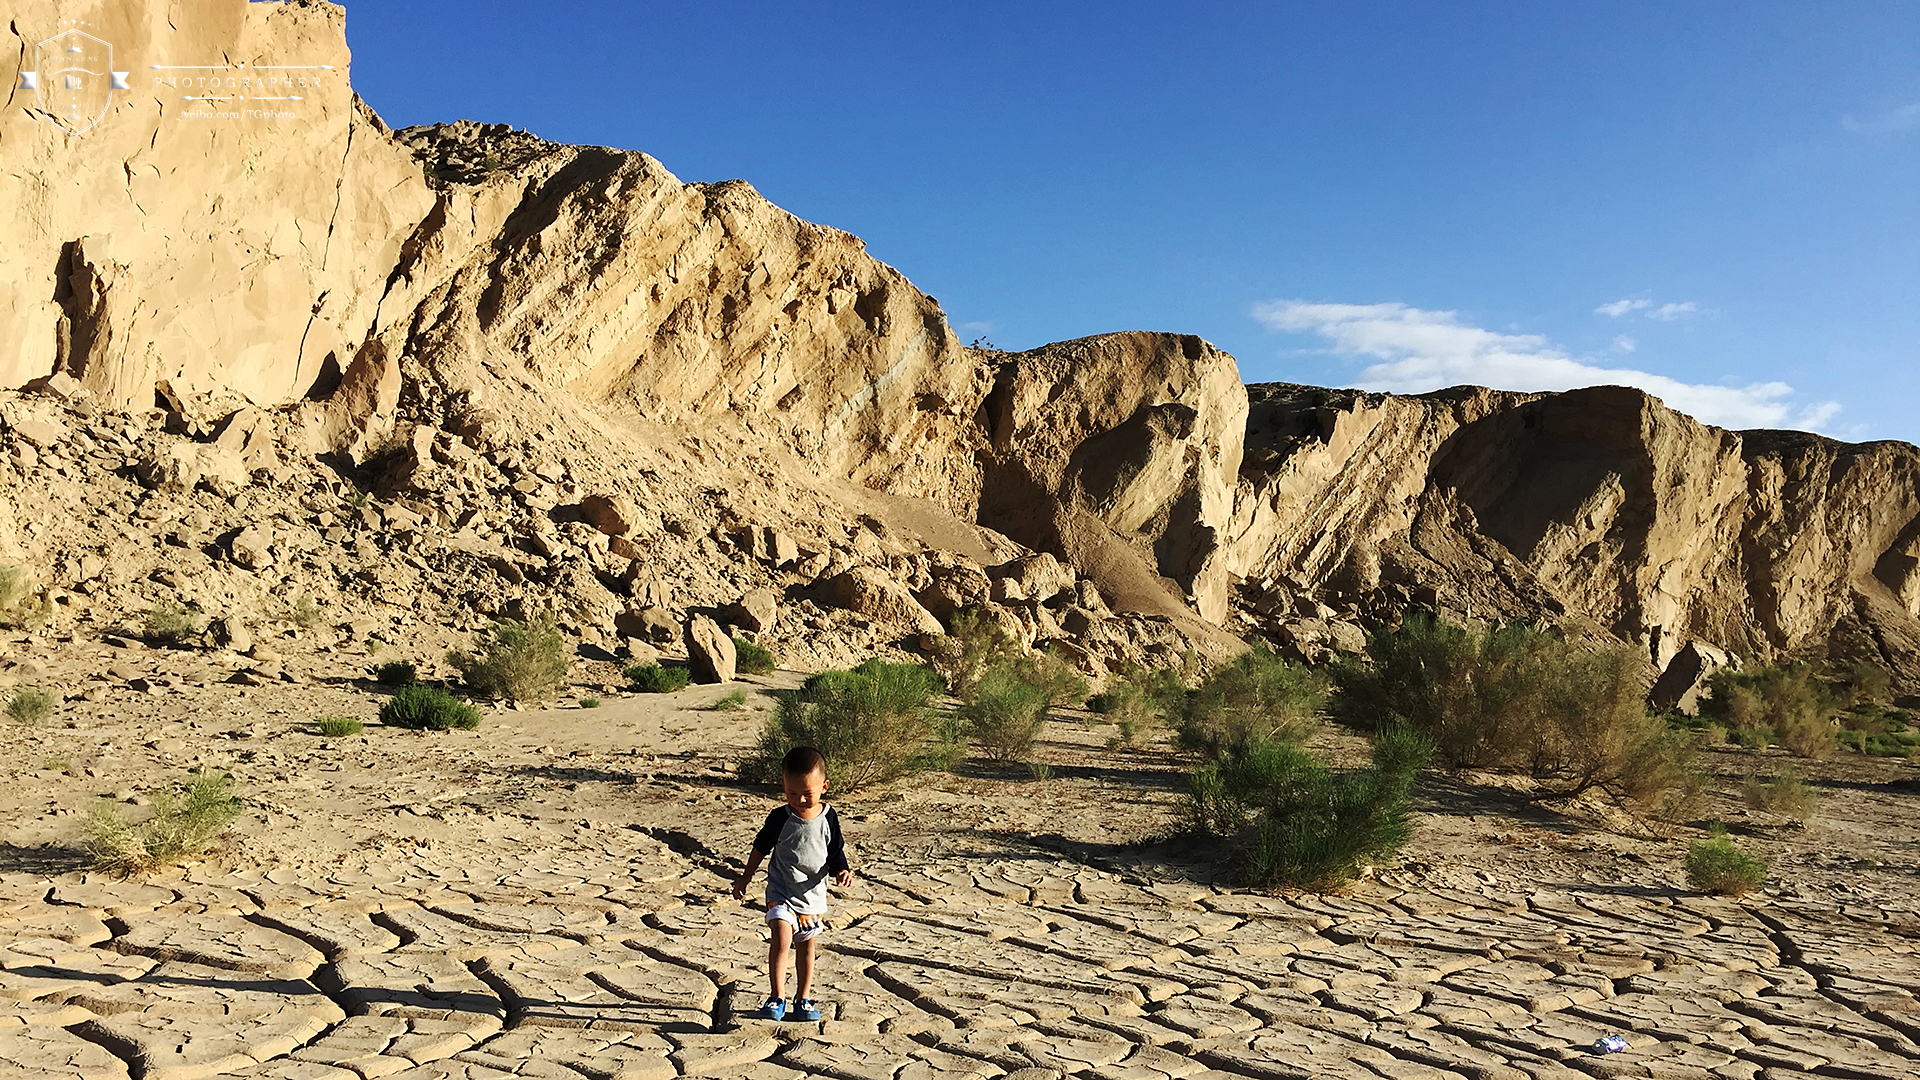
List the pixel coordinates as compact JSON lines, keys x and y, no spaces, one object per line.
{"x":837,"y":852}
{"x":763,"y":842}
{"x":746,"y":876}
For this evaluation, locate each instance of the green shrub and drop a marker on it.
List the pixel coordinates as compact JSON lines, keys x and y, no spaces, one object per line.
{"x":172,"y":623}
{"x":1521,"y":700}
{"x":20,"y":603}
{"x":751,"y":659}
{"x":1751,"y":738}
{"x":1039,"y":770}
{"x":1004,"y":713}
{"x":1791,"y":704}
{"x":524,"y":661}
{"x":428,"y":708}
{"x":180,"y":827}
{"x":871,"y":723}
{"x":397,"y":673}
{"x":1892,"y":744}
{"x":1862,"y":681}
{"x":733,"y":701}
{"x":307,"y":613}
{"x":334,"y":727}
{"x":656,"y":679}
{"x":973,"y":643}
{"x":1717,"y":865}
{"x":1257,"y":698}
{"x":30,"y":705}
{"x":1311,"y":828}
{"x":1055,"y":676}
{"x":1139,"y":700}
{"x":1786,"y":793}
{"x":589,"y":702}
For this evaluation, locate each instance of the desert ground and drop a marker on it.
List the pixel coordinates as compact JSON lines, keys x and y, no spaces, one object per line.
{"x":546,"y":896}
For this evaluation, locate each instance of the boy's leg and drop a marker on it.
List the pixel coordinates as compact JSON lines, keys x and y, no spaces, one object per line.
{"x":777,"y":958}
{"x":803,"y":968}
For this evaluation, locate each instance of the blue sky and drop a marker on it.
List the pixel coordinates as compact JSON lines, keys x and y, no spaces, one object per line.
{"x":1717,"y":201}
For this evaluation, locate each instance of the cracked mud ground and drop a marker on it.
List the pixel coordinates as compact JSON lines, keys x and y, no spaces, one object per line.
{"x":546,"y":898}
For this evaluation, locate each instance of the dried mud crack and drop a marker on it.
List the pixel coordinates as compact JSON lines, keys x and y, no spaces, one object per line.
{"x":1022,"y":967}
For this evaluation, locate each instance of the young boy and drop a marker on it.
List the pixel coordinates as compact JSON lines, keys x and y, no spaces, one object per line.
{"x":803,"y":837}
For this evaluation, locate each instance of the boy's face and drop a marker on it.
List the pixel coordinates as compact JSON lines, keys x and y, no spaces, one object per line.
{"x":805,"y":792}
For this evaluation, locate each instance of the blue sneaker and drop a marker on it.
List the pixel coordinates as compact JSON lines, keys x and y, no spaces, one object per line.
{"x":805,"y":1009}
{"x":774,"y":1009}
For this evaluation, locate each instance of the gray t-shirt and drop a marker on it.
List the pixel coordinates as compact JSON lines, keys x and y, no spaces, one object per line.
{"x":801,"y":856}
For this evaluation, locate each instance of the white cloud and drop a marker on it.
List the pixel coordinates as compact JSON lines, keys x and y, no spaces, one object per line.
{"x":1664,"y":313}
{"x":1623,"y":343}
{"x":1902,"y":118}
{"x":1621,"y":307}
{"x":1419,"y":350}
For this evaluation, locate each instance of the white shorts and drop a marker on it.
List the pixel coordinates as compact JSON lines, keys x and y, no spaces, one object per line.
{"x":779,"y":913}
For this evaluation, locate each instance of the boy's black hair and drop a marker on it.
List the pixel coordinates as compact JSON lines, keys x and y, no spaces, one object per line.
{"x":802,"y":761}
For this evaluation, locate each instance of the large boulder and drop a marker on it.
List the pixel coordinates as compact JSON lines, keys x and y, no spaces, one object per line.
{"x":866,"y":591}
{"x":614,"y":515}
{"x":710,"y":653}
{"x":755,"y":610}
{"x":648,"y":623}
{"x":1684,"y":681}
{"x":1038,"y":577}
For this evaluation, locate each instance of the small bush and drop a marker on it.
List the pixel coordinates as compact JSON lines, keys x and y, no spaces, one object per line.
{"x":871,"y":724}
{"x":58,"y":765}
{"x":1257,"y":698}
{"x":396,"y":673}
{"x":307,"y":613}
{"x":1717,"y":865}
{"x":1892,"y":744}
{"x":1790,"y":704}
{"x":30,"y":705}
{"x":1039,"y":770}
{"x":655,"y":679}
{"x":973,"y":643}
{"x":20,"y":603}
{"x":1862,"y":681}
{"x":172,"y":623}
{"x":524,"y":661}
{"x":589,"y":702}
{"x":1004,"y":713}
{"x":1312,"y":828}
{"x":733,"y":701}
{"x":428,"y":708}
{"x":1139,"y":700}
{"x":751,"y":659}
{"x":334,"y":727}
{"x":182,"y":826}
{"x":1522,"y":700}
{"x":1786,"y":794}
{"x":1055,"y":676}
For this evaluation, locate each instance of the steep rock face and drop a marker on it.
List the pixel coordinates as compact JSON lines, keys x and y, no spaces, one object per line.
{"x":1599,"y":504}
{"x":1119,"y":453}
{"x":210,"y":252}
{"x":599,"y":271}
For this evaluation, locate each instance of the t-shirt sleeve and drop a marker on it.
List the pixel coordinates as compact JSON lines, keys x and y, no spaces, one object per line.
{"x":769,"y":833}
{"x":836,"y":847}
